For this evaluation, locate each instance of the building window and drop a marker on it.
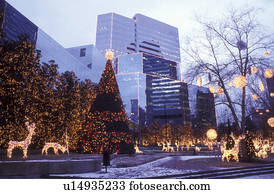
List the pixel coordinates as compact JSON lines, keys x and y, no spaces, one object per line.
{"x":82,"y":52}
{"x":89,"y":65}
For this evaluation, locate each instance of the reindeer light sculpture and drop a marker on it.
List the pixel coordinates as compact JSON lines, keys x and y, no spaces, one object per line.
{"x":234,"y":151}
{"x":56,"y":147}
{"x":22,"y":144}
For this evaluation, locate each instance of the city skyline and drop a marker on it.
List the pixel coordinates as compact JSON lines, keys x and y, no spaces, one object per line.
{"x":74,"y":18}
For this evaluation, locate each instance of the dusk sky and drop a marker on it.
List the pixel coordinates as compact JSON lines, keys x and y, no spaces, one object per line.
{"x":73,"y":22}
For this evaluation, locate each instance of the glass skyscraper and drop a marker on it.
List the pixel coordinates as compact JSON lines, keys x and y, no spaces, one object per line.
{"x":157,"y":38}
{"x":17,"y":24}
{"x":14,"y":24}
{"x":149,"y":82}
{"x":138,"y":34}
{"x":115,"y":32}
{"x":147,"y":69}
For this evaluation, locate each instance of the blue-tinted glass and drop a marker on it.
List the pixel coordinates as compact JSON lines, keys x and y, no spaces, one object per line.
{"x":16,"y":24}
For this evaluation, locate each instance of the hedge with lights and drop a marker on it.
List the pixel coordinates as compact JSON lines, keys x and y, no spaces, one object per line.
{"x":30,"y":91}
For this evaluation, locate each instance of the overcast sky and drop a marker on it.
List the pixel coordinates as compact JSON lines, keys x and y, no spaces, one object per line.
{"x":73,"y":22}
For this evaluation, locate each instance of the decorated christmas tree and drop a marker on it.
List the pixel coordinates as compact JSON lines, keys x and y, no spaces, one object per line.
{"x":108,"y":128}
{"x":247,"y":148}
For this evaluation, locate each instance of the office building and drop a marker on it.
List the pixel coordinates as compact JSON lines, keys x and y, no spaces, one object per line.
{"x":202,"y":108}
{"x":148,"y":86}
{"x":126,"y":35}
{"x":150,"y":92}
{"x":15,"y":24}
{"x":91,"y":58}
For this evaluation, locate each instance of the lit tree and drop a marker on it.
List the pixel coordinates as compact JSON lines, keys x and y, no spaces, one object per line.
{"x":19,"y":89}
{"x":154,"y":134}
{"x":225,"y":56}
{"x":58,"y":104}
{"x":166,"y":133}
{"x":108,"y":109}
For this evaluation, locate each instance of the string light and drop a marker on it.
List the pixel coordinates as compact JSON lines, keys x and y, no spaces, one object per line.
{"x":212,"y":89}
{"x":199,"y":81}
{"x":220,"y":90}
{"x":55,"y":147}
{"x":167,"y":147}
{"x":261,"y":85}
{"x":22,"y":144}
{"x":270,"y":121}
{"x":254,"y":70}
{"x":211,"y":134}
{"x":137,"y":150}
{"x":268,"y":73}
{"x":230,"y":84}
{"x":266,"y":54}
{"x":108,"y":129}
{"x":228,"y":154}
{"x":197,"y":149}
{"x":255,"y":97}
{"x":109,"y":55}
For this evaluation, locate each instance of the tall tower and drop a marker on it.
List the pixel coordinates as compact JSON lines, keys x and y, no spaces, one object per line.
{"x":115,"y":32}
{"x":124,"y":35}
{"x":157,"y":38}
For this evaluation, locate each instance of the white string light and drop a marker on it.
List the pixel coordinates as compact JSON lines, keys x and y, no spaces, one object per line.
{"x":55,"y":147}
{"x":22,"y":144}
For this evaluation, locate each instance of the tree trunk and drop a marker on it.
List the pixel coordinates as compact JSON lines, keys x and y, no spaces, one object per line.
{"x":243,"y":110}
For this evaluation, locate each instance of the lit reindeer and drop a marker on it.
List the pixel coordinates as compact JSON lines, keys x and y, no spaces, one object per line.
{"x":56,"y":147}
{"x":263,"y":149}
{"x":234,"y":151}
{"x":169,"y":147}
{"x":22,"y":144}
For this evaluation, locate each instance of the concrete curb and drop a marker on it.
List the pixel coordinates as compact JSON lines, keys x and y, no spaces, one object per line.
{"x":46,"y":167}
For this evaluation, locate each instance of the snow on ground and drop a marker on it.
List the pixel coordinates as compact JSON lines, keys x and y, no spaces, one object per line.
{"x":264,"y":176}
{"x":150,"y":169}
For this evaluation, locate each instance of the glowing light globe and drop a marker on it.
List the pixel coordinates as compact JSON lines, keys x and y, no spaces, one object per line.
{"x":254,"y":70}
{"x":270,"y":121}
{"x":266,"y":54}
{"x":211,"y":134}
{"x":230,"y":84}
{"x":239,"y":81}
{"x":220,"y":91}
{"x":268,"y":73}
{"x":272,"y":94}
{"x":109,"y":55}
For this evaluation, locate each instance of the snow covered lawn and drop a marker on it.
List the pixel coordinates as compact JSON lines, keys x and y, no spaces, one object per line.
{"x":151,"y":169}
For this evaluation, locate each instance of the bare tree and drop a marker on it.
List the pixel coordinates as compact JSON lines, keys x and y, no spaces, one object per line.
{"x":226,"y":49}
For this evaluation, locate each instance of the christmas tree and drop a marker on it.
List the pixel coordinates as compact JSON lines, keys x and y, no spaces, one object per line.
{"x":247,"y":148}
{"x":108,"y":128}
